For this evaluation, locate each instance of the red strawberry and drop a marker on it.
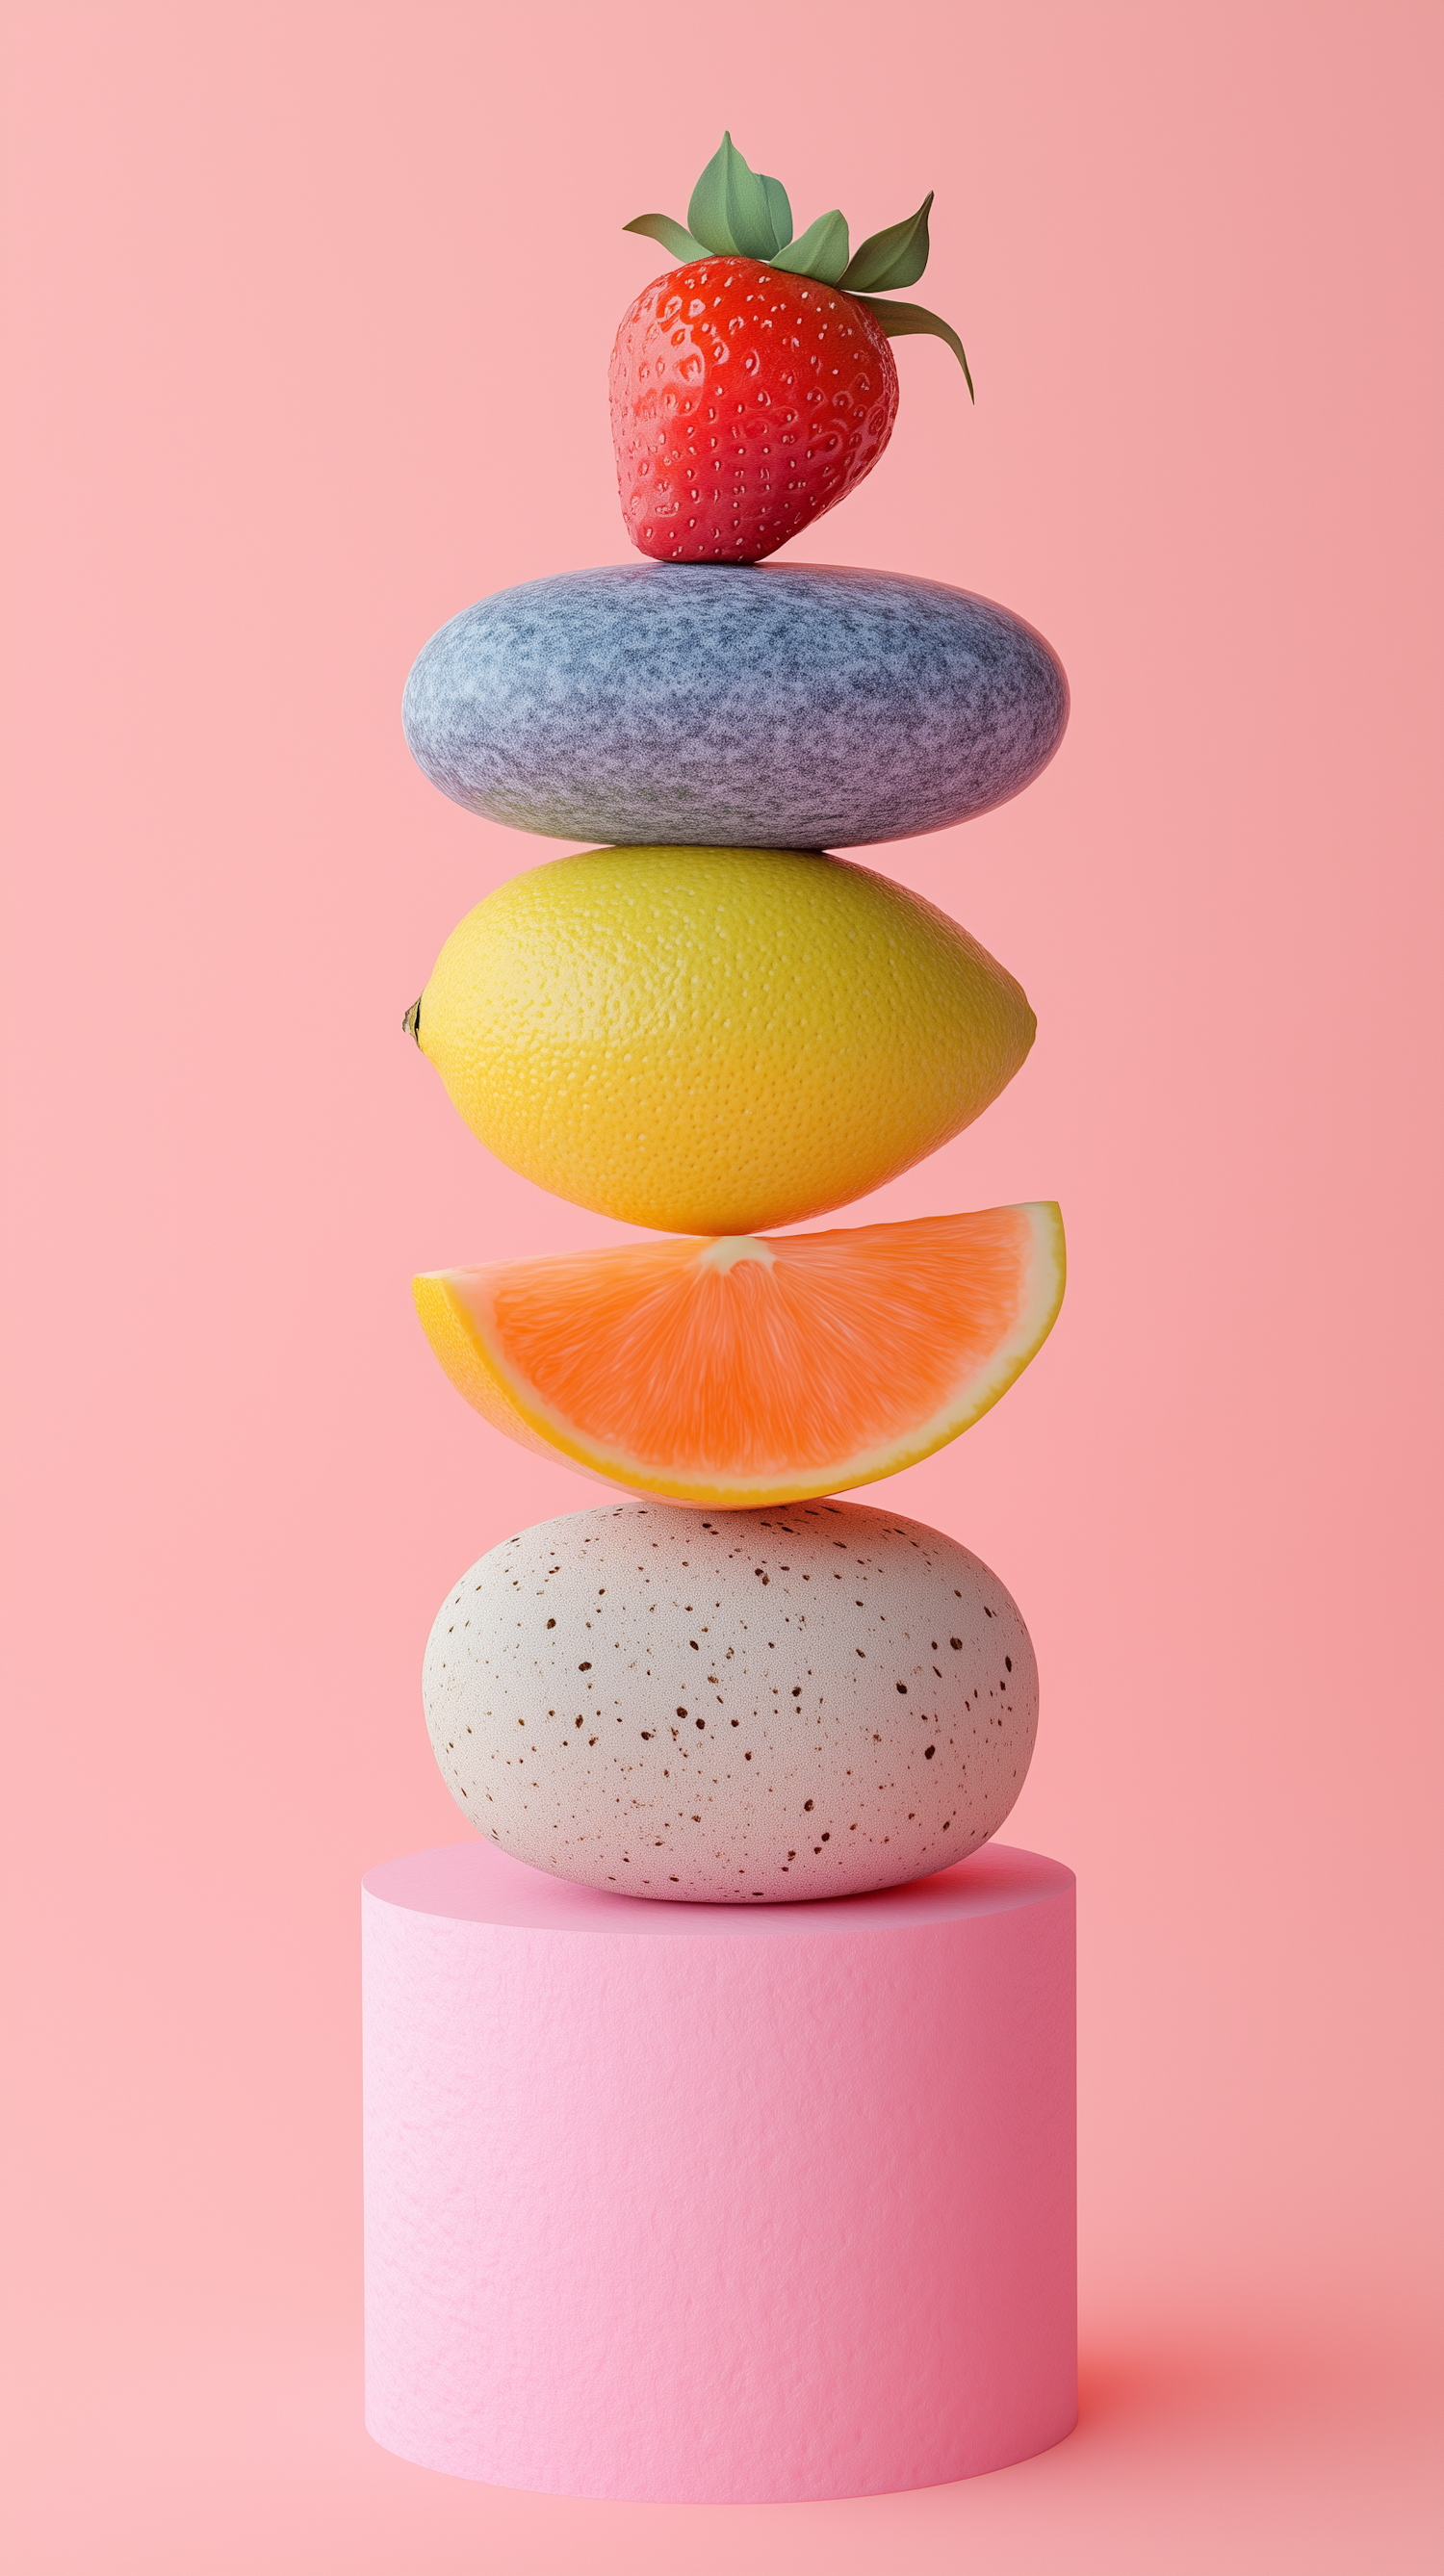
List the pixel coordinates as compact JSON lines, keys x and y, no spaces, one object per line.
{"x":753,"y":386}
{"x":744,"y":402}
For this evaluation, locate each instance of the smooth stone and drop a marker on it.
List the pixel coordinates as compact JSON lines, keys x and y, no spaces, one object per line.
{"x":757,"y":705}
{"x":732,"y":1707}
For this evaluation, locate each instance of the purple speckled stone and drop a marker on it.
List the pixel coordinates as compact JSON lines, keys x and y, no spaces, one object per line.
{"x":785,"y":706}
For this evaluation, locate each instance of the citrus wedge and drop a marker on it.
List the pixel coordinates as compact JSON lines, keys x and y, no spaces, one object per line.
{"x":748,"y":1369}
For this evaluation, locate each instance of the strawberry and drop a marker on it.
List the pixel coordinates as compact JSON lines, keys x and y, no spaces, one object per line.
{"x":754,"y":386}
{"x":744,"y":402}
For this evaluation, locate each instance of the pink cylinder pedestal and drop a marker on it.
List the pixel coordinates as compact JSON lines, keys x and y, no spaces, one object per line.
{"x":694,"y":2204}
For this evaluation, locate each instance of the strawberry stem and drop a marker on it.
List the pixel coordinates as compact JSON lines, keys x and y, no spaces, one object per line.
{"x":735,"y":211}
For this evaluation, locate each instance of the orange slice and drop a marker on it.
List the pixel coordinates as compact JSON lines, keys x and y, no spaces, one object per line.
{"x":753,"y":1369}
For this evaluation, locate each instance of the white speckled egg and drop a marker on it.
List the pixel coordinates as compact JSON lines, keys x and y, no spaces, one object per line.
{"x":799,"y":1702}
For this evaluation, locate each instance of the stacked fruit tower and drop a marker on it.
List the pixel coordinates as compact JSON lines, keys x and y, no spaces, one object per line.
{"x":729,"y":2197}
{"x":713,"y":1028}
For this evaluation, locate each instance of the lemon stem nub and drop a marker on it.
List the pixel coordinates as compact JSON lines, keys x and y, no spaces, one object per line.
{"x":412,"y":1022}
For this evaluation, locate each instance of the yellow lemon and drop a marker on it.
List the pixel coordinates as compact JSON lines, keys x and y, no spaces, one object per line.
{"x":714,"y":1041}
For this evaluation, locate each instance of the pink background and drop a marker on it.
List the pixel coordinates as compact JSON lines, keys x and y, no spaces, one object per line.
{"x":311,"y":309}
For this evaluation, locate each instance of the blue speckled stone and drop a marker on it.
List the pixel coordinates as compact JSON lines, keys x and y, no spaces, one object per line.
{"x":790,"y":706}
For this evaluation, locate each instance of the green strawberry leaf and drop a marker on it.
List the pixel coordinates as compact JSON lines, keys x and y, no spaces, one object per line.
{"x":898,"y":320}
{"x":732,"y":209}
{"x":821,"y":252}
{"x":672,"y":236}
{"x":780,"y":211}
{"x":896,"y":257}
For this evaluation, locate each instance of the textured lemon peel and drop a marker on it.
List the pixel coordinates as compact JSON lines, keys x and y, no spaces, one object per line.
{"x":778,"y":1032}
